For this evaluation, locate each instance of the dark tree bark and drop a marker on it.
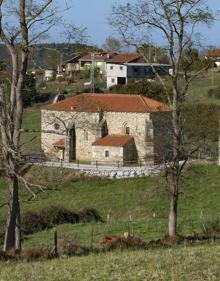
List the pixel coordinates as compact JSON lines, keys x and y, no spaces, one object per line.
{"x":12,"y":235}
{"x":18,"y":40}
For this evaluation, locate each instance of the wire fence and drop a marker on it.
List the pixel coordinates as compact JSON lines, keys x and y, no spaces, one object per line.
{"x":148,"y":229}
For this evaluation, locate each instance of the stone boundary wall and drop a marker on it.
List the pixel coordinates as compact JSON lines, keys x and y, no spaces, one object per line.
{"x":108,"y":171}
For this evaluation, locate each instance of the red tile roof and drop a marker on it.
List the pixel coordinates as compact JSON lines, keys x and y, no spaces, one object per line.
{"x":109,"y":103}
{"x":213,"y":53}
{"x":113,"y":140}
{"x":59,"y":143}
{"x":125,"y":58}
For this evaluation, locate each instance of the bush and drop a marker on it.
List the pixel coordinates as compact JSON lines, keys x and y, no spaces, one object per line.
{"x":89,"y":215}
{"x":149,"y":89}
{"x":96,"y":90}
{"x":29,"y":90}
{"x":42,"y":97}
{"x":49,"y":217}
{"x":61,"y":79}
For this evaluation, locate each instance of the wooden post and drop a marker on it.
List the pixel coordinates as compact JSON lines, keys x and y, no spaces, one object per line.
{"x":55,"y":244}
{"x":78,"y":163}
{"x":92,"y":237}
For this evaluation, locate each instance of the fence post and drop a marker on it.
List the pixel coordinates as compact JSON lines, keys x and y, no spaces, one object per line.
{"x":118,"y":164}
{"x":96,"y":164}
{"x":140,"y":163}
{"x":77,"y":163}
{"x":92,"y":237}
{"x":55,"y":244}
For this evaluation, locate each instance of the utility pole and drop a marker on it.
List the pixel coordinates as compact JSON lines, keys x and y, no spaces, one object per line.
{"x":92,"y":74}
{"x":149,"y":53}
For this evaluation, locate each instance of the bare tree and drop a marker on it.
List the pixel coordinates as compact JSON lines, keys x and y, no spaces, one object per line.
{"x":176,"y":22}
{"x":112,"y":45}
{"x":22,"y":22}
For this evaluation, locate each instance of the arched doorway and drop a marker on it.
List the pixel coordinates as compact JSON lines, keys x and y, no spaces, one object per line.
{"x":72,"y":148}
{"x":104,"y":130}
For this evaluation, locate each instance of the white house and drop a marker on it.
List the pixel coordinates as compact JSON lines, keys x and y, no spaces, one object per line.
{"x":49,"y":74}
{"x":120,"y":74}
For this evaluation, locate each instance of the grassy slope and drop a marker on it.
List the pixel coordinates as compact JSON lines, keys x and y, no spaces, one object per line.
{"x":135,"y":199}
{"x":31,"y":121}
{"x":200,"y":87}
{"x":181,"y":264}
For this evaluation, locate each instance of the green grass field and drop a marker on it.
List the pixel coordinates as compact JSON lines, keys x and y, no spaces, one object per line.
{"x":199,"y":88}
{"x":139,"y":205}
{"x":199,"y":263}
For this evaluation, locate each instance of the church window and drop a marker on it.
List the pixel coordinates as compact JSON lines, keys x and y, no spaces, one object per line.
{"x":107,"y":154}
{"x":127,"y":131}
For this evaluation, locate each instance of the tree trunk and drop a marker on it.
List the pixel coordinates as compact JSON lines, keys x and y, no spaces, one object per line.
{"x":172,"y":223}
{"x":12,"y":242}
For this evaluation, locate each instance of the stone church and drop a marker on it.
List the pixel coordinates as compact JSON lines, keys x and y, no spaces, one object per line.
{"x":106,"y":129}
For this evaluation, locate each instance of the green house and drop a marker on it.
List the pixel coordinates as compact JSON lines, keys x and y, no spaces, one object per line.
{"x":98,"y":60}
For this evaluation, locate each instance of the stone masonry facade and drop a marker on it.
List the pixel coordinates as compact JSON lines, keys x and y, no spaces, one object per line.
{"x":87,"y":129}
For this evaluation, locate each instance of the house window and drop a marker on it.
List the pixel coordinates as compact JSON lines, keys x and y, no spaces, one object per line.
{"x":127,"y":131}
{"x":111,"y":67}
{"x":121,"y":67}
{"x":113,"y":80}
{"x":86,"y":136}
{"x":107,"y":154}
{"x":135,"y":69}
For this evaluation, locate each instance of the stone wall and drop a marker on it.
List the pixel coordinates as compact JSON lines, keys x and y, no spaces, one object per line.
{"x":84,"y":124}
{"x":115,"y":154}
{"x":117,"y":121}
{"x":144,"y":127}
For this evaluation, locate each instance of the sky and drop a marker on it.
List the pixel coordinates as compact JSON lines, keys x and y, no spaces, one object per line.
{"x":94,"y":15}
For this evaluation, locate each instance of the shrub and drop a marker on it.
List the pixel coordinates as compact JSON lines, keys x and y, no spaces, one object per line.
{"x":39,"y":253}
{"x":42,"y":97}
{"x":61,"y":79}
{"x":49,"y":217}
{"x":29,"y":90}
{"x":96,"y":90}
{"x":89,"y":215}
{"x":149,"y":89}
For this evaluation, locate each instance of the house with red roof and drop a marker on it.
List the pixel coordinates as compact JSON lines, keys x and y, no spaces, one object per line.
{"x":106,"y":129}
{"x":97,"y":60}
{"x":213,"y":55}
{"x":100,"y":60}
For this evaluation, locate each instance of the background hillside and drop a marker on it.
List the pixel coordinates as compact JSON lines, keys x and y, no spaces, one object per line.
{"x":48,"y":55}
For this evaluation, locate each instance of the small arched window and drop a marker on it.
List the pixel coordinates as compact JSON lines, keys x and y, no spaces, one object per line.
{"x":107,"y":154}
{"x":127,"y":131}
